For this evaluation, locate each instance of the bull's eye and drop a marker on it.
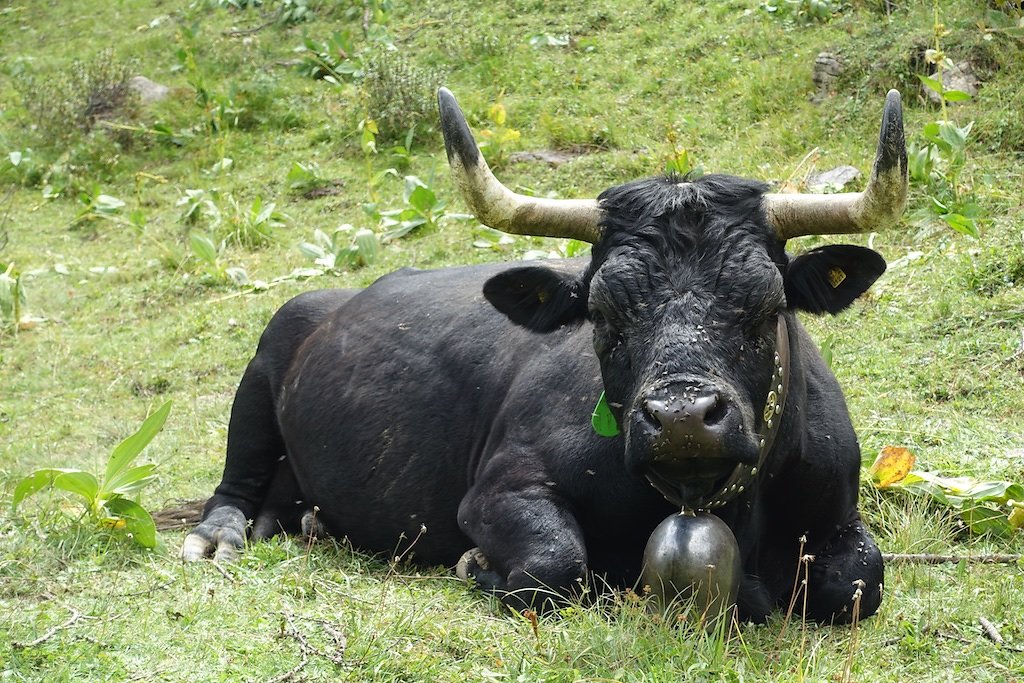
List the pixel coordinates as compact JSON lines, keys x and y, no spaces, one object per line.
{"x":606,"y":338}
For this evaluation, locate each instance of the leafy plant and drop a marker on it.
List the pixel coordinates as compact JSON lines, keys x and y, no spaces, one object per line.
{"x":253,"y":226}
{"x":97,"y":206}
{"x":209,"y":255}
{"x":678,"y":159}
{"x":109,"y":501}
{"x":986,"y":507}
{"x":334,"y":60}
{"x":344,"y":248}
{"x":305,"y":177}
{"x":294,"y":11}
{"x":938,"y":163}
{"x":250,"y":227}
{"x":13,"y":302}
{"x":422,"y":208}
{"x":803,"y":11}
{"x":499,"y":138}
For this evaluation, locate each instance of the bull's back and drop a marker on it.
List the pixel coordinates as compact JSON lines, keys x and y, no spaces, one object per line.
{"x":387,"y":407}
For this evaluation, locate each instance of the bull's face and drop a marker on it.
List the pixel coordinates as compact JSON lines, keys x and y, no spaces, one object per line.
{"x":688,"y":293}
{"x":685,"y":294}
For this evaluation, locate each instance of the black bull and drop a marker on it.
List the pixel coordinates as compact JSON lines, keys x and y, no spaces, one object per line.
{"x":455,"y":406}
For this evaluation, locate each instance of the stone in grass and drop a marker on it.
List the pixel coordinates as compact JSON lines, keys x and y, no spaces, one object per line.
{"x":826,"y":72}
{"x":959,"y":76}
{"x":832,"y":180}
{"x":148,"y":91}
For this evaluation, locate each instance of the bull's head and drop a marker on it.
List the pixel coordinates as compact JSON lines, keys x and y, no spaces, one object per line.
{"x":689,"y":290}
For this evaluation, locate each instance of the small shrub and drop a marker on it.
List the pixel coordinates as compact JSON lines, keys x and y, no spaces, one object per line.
{"x":66,"y":104}
{"x":398,"y":94}
{"x":346,"y":247}
{"x":208,"y":255}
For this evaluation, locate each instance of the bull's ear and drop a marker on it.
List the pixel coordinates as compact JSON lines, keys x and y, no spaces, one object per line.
{"x":830,"y":278}
{"x":538,"y":298}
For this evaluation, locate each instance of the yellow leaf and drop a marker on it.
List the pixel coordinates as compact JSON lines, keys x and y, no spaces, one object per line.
{"x":1016,"y":518}
{"x":891,"y":466}
{"x":497,"y":114}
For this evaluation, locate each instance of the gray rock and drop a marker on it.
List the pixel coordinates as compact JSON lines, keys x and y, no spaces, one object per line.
{"x":827,"y":69}
{"x":959,"y":76}
{"x":148,"y":91}
{"x":833,"y":180}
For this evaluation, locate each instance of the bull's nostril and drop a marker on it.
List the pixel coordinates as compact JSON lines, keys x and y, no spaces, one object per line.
{"x":657,"y":413}
{"x":716,"y":410}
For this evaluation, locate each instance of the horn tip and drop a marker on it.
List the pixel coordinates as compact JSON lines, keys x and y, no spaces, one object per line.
{"x":458,"y":139}
{"x":892,"y":145}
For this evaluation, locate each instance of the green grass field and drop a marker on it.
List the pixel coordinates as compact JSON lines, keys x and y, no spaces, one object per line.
{"x":99,"y":198}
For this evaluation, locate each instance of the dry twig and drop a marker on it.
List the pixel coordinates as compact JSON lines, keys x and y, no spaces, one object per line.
{"x":928,"y":558}
{"x":75,"y":616}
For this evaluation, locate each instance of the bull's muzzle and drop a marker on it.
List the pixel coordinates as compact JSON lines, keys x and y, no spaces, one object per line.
{"x":685,"y":421}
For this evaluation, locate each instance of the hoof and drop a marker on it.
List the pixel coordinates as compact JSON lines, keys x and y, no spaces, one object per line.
{"x":312,"y":528}
{"x":220,"y":536}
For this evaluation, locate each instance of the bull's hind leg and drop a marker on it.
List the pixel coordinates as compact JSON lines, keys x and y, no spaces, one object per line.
{"x":258,"y":483}
{"x":254,"y":451}
{"x":845,"y":576}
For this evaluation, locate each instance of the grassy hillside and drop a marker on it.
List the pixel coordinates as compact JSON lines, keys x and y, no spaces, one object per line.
{"x":152,"y":242}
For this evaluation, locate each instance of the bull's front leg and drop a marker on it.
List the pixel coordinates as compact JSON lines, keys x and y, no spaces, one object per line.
{"x":530,"y":550}
{"x":844,"y":575}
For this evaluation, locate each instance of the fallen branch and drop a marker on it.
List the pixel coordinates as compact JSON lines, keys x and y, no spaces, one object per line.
{"x":75,"y":616}
{"x":928,"y":558}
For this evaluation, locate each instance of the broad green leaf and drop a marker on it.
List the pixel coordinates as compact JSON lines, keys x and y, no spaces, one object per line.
{"x":961,"y":224}
{"x":931,"y":132}
{"x":203,"y":247}
{"x":982,"y":519}
{"x":403,"y":229}
{"x":131,"y":480}
{"x":138,"y":521}
{"x":368,"y":244}
{"x":423,"y":199}
{"x":953,"y":135}
{"x":932,"y":84}
{"x":263,"y":213}
{"x":128,"y":449}
{"x":1016,"y":517}
{"x":956,"y":96}
{"x":311,"y":250}
{"x":80,"y":483}
{"x":411,"y":182}
{"x":37,"y":481}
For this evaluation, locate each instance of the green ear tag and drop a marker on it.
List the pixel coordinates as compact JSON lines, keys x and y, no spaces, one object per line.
{"x":602,"y":419}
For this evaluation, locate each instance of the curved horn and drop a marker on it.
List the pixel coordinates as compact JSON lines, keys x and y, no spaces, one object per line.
{"x":880,"y":204}
{"x":495,"y":205}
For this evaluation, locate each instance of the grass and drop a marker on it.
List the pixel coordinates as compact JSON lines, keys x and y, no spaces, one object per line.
{"x":931,"y":360}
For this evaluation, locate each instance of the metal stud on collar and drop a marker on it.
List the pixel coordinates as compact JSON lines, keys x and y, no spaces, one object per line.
{"x":771,"y":416}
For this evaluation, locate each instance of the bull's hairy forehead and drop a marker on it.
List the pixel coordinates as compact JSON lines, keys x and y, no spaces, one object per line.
{"x":741,"y":275}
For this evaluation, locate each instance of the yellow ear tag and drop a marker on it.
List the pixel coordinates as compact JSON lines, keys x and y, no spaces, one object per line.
{"x":836,"y":277}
